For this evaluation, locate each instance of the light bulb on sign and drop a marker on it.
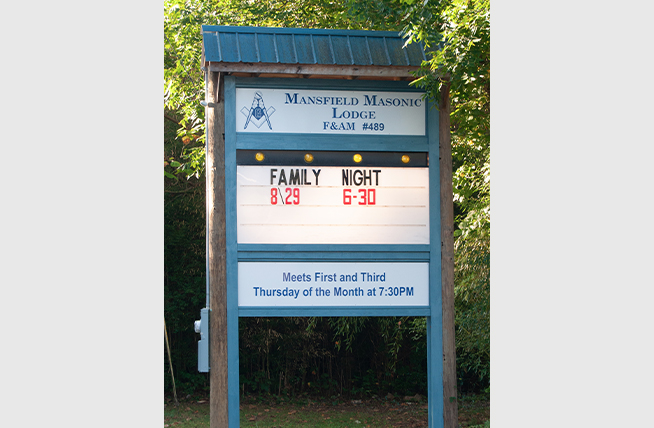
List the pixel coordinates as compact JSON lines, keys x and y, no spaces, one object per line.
{"x":308,"y":158}
{"x":259,"y":156}
{"x":357,"y":158}
{"x":405,"y":159}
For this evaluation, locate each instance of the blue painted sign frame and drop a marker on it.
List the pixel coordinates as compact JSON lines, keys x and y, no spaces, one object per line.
{"x":236,"y":252}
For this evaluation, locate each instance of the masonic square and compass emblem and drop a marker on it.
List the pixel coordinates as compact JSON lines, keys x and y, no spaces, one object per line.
{"x":258,"y":114}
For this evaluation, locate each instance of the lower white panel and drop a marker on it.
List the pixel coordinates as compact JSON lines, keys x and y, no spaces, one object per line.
{"x":267,"y":284}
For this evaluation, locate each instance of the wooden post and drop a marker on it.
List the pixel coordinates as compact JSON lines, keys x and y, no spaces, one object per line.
{"x":450,"y":411}
{"x":215,"y":170}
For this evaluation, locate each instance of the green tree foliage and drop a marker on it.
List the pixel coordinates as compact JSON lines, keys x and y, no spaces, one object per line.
{"x":357,"y":356}
{"x":300,"y":14}
{"x":472,"y":310}
{"x":333,"y":355}
{"x":460,"y":29}
{"x":457,"y":35}
{"x":183,"y":78}
{"x":184,"y":267}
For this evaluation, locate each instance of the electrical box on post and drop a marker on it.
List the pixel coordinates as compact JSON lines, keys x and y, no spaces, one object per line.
{"x":202,"y":327}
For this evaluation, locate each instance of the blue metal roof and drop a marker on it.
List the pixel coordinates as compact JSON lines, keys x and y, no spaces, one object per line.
{"x":308,"y":46}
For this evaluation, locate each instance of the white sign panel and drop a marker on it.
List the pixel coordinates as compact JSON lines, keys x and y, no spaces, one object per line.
{"x":332,"y":205}
{"x":329,"y":112}
{"x":267,"y":284}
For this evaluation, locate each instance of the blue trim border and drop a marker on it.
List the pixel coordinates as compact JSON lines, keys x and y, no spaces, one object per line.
{"x":331,"y":311}
{"x":327,"y":253}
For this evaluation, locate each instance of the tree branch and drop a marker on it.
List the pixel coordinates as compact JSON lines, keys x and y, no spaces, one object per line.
{"x":182,"y":191}
{"x":172,"y":119}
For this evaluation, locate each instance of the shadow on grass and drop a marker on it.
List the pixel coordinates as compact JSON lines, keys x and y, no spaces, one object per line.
{"x":276,"y":412}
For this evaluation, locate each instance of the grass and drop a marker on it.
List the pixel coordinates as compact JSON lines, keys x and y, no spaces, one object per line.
{"x":275,"y":412}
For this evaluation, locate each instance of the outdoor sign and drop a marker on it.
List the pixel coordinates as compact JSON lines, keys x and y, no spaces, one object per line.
{"x":266,"y":284}
{"x":329,"y":112}
{"x":330,"y":197}
{"x":331,"y":202}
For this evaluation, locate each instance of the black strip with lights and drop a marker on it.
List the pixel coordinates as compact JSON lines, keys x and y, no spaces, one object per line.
{"x":331,"y":158}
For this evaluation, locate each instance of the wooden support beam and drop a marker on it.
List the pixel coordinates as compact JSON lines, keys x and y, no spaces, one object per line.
{"x":216,"y":216}
{"x":450,"y":408}
{"x":394,"y":72}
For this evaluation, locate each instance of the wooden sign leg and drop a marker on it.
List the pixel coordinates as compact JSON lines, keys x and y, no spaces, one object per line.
{"x":447,"y":260}
{"x":215,"y":170}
